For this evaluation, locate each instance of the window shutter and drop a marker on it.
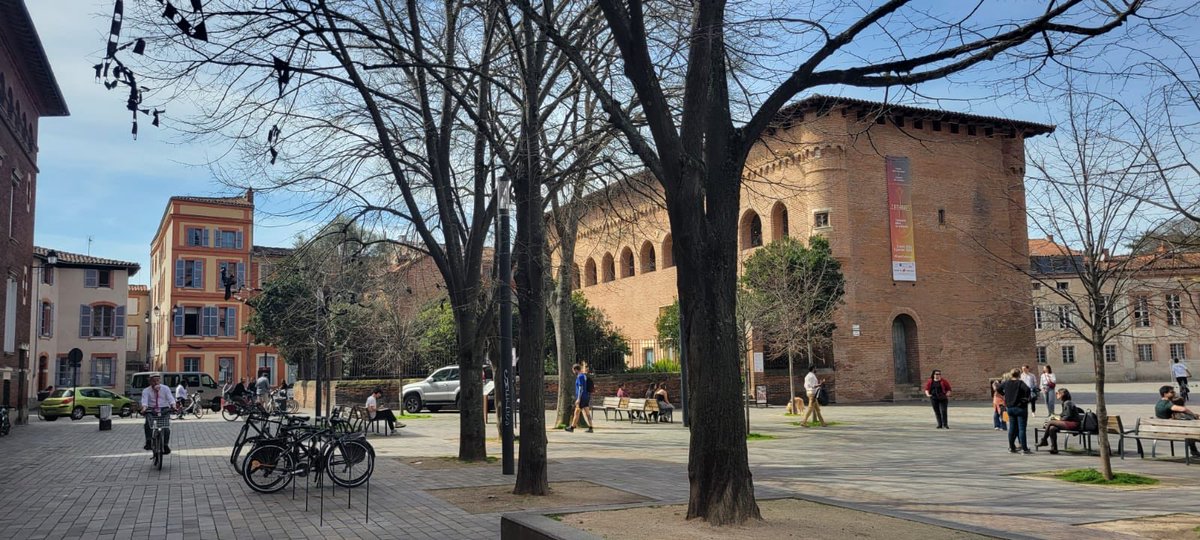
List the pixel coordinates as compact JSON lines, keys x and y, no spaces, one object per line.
{"x":119,"y":324}
{"x":237,"y":240}
{"x":91,"y":278}
{"x":231,"y":321}
{"x":217,"y":241}
{"x":85,"y":321}
{"x":198,"y":274}
{"x":50,"y":328}
{"x":179,"y":321}
{"x":241,"y":275}
{"x":210,"y":321}
{"x":204,"y":237}
{"x":179,"y":273}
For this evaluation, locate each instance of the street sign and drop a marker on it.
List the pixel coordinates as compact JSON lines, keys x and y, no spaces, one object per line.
{"x":75,"y":357}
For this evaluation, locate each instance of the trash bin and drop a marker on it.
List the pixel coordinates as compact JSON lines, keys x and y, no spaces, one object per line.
{"x":105,"y":417}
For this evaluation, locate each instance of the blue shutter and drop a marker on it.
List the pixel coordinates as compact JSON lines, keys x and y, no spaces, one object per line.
{"x":241,"y":275}
{"x":237,"y":240}
{"x":179,"y":321}
{"x":231,"y":321}
{"x":91,"y":278}
{"x":204,"y":237}
{"x":217,"y":241}
{"x":210,"y":321}
{"x":85,"y":321}
{"x":198,"y":274}
{"x":179,"y":273}
{"x":50,"y":328}
{"x":119,"y":325}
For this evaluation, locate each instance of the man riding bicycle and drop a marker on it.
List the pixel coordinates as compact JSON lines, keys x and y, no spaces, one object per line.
{"x":157,"y":402}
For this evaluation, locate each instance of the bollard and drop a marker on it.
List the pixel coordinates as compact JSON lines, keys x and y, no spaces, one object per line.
{"x":105,"y":417}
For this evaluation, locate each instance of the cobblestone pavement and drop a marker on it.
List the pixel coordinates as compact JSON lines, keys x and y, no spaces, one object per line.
{"x":68,"y":480}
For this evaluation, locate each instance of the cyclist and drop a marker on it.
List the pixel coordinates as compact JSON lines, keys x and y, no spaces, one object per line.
{"x":181,"y":396}
{"x":155,"y":400}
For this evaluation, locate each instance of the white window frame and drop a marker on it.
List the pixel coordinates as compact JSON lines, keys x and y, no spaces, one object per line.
{"x":1174,"y":310}
{"x":1068,"y":354}
{"x":1141,"y":312}
{"x":1038,"y":320}
{"x":1178,"y":351}
{"x":1110,"y":358}
{"x":1041,"y":354}
{"x":1148,"y":348}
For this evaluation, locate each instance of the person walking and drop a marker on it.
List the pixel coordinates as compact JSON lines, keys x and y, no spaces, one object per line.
{"x":998,"y":413}
{"x":1046,"y":383}
{"x":1030,"y":379}
{"x":1071,"y":415}
{"x":262,"y":388}
{"x":811,"y":384}
{"x":1181,"y":373}
{"x":1017,"y":398}
{"x":583,"y":399}
{"x":937,"y":390}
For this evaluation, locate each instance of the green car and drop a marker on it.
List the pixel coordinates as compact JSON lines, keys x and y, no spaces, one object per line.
{"x":66,"y":402}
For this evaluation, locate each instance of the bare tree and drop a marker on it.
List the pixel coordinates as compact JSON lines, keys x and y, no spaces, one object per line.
{"x":696,"y":146}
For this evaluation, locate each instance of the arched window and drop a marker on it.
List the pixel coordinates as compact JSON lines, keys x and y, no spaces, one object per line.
{"x":779,"y":221}
{"x":589,"y":272}
{"x":750,"y":231}
{"x":668,"y":255}
{"x":608,"y":268}
{"x":649,"y":263}
{"x":626,"y":263}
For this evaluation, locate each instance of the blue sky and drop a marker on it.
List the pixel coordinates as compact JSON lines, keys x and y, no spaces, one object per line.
{"x":95,"y":180}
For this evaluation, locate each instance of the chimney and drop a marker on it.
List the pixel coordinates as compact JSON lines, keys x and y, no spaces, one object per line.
{"x":1049,"y":237}
{"x":250,"y":195}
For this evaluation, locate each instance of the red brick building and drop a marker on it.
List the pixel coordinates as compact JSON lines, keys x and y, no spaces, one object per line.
{"x":28,"y":92}
{"x":924,"y":208}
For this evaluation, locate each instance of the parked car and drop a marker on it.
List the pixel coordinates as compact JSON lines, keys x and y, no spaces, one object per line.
{"x":84,"y":400}
{"x":440,"y":390}
{"x":197,"y":380}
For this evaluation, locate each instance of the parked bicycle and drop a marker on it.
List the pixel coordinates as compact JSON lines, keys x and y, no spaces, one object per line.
{"x":195,"y":406}
{"x":5,"y":425}
{"x":236,"y":407}
{"x":346,"y":458}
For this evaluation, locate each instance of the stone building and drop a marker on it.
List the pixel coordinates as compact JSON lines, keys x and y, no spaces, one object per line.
{"x":924,"y":209}
{"x":1155,"y":322}
{"x":194,"y":327}
{"x":28,"y":93}
{"x":82,"y":303}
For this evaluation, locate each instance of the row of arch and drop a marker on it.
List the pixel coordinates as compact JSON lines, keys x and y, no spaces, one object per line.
{"x":750,"y":235}
{"x":12,"y":108}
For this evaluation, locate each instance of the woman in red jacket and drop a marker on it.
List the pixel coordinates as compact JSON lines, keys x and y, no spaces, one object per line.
{"x":938,"y":391}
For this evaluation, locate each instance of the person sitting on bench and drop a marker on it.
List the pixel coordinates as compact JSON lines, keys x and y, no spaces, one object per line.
{"x":374,"y":412}
{"x":1165,"y":409}
{"x":1071,"y":415}
{"x":664,"y":402}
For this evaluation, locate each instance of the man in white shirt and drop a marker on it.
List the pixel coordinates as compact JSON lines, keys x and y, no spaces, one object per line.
{"x":157,"y":402}
{"x":1031,"y":380}
{"x":811,"y":384}
{"x":262,"y":388}
{"x":374,"y":412}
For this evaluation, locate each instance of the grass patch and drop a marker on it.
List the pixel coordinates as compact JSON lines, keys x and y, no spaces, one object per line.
{"x":414,"y":416}
{"x":555,"y":517}
{"x":758,"y":437}
{"x":1092,"y":476}
{"x":827,"y":424}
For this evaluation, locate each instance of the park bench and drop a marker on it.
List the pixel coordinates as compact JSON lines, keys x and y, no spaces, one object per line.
{"x":616,"y":405}
{"x":1157,"y":429}
{"x":360,"y":420}
{"x":1085,"y":437}
{"x":645,"y":409}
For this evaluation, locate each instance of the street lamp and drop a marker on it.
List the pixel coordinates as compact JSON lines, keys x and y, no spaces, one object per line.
{"x":22,"y":391}
{"x":504,"y":260}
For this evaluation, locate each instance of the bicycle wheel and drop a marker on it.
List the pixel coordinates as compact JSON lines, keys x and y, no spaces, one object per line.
{"x":350,"y":463}
{"x":230,"y":413}
{"x":197,"y":411}
{"x":268,"y":468}
{"x":157,"y":446}
{"x":293,"y":406}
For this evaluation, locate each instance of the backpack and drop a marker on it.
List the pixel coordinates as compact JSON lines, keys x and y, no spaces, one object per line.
{"x":1090,"y":423}
{"x":590,"y":386}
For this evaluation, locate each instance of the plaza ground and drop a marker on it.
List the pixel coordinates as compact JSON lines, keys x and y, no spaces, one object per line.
{"x":67,"y":479}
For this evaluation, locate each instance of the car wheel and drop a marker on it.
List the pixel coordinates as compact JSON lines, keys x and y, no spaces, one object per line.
{"x":77,"y":413}
{"x":434,"y":408}
{"x":412,"y":404}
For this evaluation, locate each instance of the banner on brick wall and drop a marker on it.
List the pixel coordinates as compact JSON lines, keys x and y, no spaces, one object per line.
{"x":900,"y":224}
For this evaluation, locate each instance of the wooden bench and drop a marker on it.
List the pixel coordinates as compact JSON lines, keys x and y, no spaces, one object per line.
{"x":645,"y":409}
{"x":1157,"y":429}
{"x":616,"y":405}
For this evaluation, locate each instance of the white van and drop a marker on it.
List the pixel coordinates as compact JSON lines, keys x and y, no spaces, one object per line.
{"x":196,"y":380}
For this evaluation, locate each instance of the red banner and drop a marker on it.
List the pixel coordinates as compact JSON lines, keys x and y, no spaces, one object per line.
{"x":900,"y":223}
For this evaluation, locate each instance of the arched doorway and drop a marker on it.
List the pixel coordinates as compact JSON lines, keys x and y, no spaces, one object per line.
{"x":904,"y":349}
{"x":43,"y":373}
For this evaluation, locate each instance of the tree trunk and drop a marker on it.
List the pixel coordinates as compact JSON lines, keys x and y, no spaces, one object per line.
{"x":1102,"y":410}
{"x":563,"y":315}
{"x":471,"y":431}
{"x":532,"y":478}
{"x":705,"y":243}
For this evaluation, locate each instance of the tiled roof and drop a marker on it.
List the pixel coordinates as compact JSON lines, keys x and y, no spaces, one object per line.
{"x":66,"y":258}
{"x":1161,"y":260}
{"x":1045,"y":247}
{"x":240,"y":201}
{"x":825,"y":103}
{"x":139,"y":289}
{"x":264,"y":251}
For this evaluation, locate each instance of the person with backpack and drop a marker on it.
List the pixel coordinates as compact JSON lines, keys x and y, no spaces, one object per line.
{"x":937,"y":389}
{"x":1069,"y":421}
{"x":583,"y":398}
{"x":1017,"y":397}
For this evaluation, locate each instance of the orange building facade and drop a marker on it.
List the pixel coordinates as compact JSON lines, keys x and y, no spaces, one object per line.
{"x":194,"y":327}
